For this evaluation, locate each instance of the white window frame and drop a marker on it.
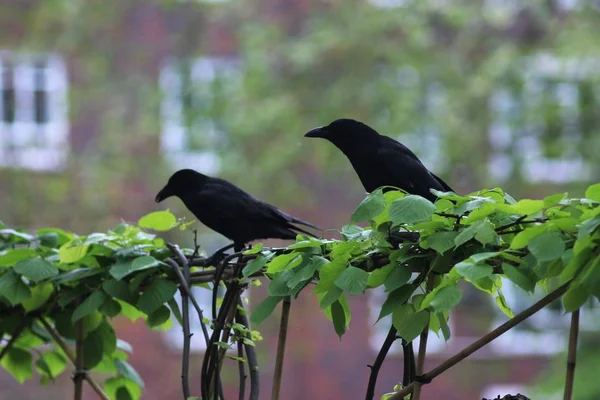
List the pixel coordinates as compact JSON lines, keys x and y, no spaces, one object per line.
{"x":174,"y":137}
{"x":25,"y":143}
{"x":535,"y":167}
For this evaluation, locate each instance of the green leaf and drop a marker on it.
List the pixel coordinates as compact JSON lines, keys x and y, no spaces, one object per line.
{"x":91,"y":303}
{"x":467,"y":234}
{"x":377,"y":277}
{"x":121,"y":388}
{"x":257,"y":248}
{"x":279,"y":285}
{"x":158,"y":293}
{"x":485,"y":233}
{"x":70,"y":254}
{"x":36,"y":269}
{"x":121,"y":269}
{"x":522,"y":239}
{"x":547,"y":247}
{"x":144,"y":262}
{"x":339,"y":318}
{"x":411,"y":209}
{"x":395,"y":299}
{"x":39,"y":295}
{"x":10,"y":257}
{"x":111,"y":308}
{"x":75,"y":275}
{"x":441,"y":241}
{"x":303,"y":273}
{"x":527,"y":206}
{"x":518,"y":277}
{"x":264,"y":309}
{"x":554,"y":199}
{"x":408,"y":323}
{"x":18,"y":363}
{"x":575,"y":297}
{"x":473,"y":271}
{"x":283,"y":262}
{"x":118,"y":290}
{"x":593,"y":192}
{"x":443,"y":299}
{"x":130,"y":312}
{"x":328,"y":274}
{"x":254,"y":266}
{"x":353,"y":280}
{"x":501,"y":302}
{"x":330,"y":297}
{"x":125,"y":370}
{"x":369,"y":208}
{"x":158,"y":221}
{"x":397,"y":277}
{"x":51,"y":364}
{"x":158,"y":317}
{"x":13,"y":289}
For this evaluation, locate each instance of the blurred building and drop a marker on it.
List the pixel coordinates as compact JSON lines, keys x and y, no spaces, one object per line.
{"x":41,"y":132}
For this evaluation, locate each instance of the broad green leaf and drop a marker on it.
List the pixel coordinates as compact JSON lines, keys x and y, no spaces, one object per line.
{"x":328,"y":274}
{"x":473,"y":271}
{"x":75,"y":275}
{"x":91,"y":303}
{"x":158,"y":221}
{"x":158,"y":293}
{"x":10,"y":257}
{"x":303,"y":273}
{"x":575,"y":297}
{"x":521,"y":279}
{"x":330,"y":297}
{"x":408,"y":323}
{"x":485,"y":233}
{"x":70,"y":253}
{"x":264,"y":309}
{"x":118,"y":388}
{"x":284,"y":262}
{"x":369,"y":208}
{"x":126,"y":370}
{"x":468,"y":233}
{"x":158,"y":317}
{"x":18,"y":363}
{"x":36,"y":269}
{"x":353,"y":280}
{"x":118,"y":290}
{"x":254,"y":266}
{"x":522,"y":239}
{"x":111,"y":308}
{"x":444,"y":299}
{"x":593,"y":192}
{"x":13,"y":289}
{"x":554,"y":199}
{"x":39,"y":295}
{"x":377,"y":277}
{"x":255,"y":249}
{"x":547,"y":247}
{"x":279,"y":285}
{"x":121,"y":269}
{"x":51,"y":364}
{"x":411,"y":209}
{"x":99,"y":341}
{"x":339,"y":318}
{"x":528,"y":206}
{"x":144,"y":262}
{"x":397,"y":277}
{"x":130,"y":312}
{"x":441,"y":241}
{"x":503,"y":305}
{"x":395,"y":299}
{"x":483,"y":256}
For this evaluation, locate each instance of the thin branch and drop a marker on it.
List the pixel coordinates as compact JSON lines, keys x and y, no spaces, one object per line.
{"x":283,"y":329}
{"x":13,"y":338}
{"x":422,"y":348}
{"x":385,"y":348}
{"x":251,"y":355}
{"x":467,"y":351}
{"x":572,"y":356}
{"x":80,"y":373}
{"x":241,"y":369}
{"x":71,"y":357}
{"x":519,"y":221}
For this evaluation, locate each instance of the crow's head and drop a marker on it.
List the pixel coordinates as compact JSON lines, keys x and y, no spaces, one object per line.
{"x":182,"y":182}
{"x":342,"y":131}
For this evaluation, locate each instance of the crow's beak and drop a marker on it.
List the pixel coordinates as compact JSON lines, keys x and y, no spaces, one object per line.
{"x":319,"y":132}
{"x":163,"y":194}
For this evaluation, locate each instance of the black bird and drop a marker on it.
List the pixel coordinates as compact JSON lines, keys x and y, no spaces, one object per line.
{"x":380,"y":160}
{"x":228,"y":210}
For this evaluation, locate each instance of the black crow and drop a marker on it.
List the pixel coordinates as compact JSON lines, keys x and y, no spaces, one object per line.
{"x":228,"y":210}
{"x":380,"y":160}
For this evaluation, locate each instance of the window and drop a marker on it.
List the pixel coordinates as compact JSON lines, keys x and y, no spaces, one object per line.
{"x":380,"y":329}
{"x":543,"y":333}
{"x":33,"y":111}
{"x":196,"y":95}
{"x":540,"y":121}
{"x":174,"y":335}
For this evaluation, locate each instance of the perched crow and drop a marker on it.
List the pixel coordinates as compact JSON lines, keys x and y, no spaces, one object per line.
{"x":228,"y":210}
{"x":379,"y":160}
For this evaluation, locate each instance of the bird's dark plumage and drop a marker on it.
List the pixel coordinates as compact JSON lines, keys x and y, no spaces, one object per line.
{"x":228,"y":210}
{"x":380,"y":160}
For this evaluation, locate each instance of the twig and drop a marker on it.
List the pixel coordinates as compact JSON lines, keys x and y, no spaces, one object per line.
{"x":467,"y":351}
{"x":15,"y":335}
{"x":572,"y":356}
{"x":71,"y":357}
{"x":519,"y":221}
{"x":80,"y":373}
{"x":251,"y":355}
{"x":217,"y":277}
{"x":283,"y":328}
{"x":385,"y":348}
{"x":241,"y":368}
{"x":422,"y":349}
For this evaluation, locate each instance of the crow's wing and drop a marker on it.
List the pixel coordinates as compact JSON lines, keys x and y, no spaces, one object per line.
{"x":406,"y":170}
